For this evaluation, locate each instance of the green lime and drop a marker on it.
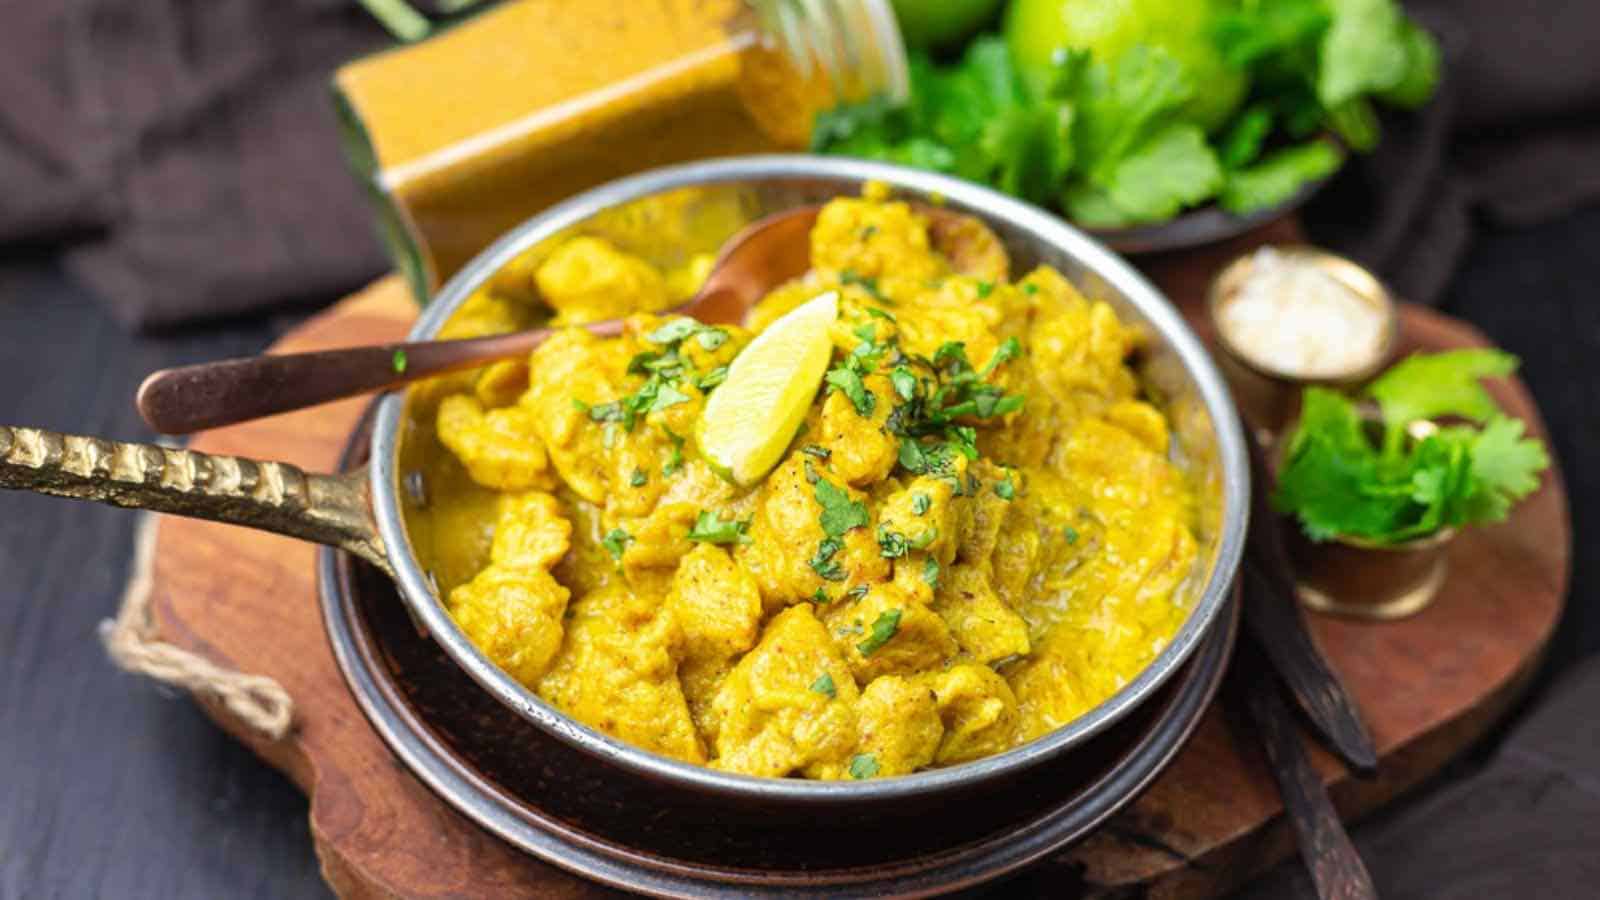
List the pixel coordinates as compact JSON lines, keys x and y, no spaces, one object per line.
{"x":1035,"y":29}
{"x":940,"y":23}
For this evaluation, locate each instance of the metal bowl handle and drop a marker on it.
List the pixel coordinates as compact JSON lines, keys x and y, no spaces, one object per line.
{"x":270,"y":496}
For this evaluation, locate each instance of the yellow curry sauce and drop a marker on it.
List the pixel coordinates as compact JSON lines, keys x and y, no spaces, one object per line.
{"x":977,"y":536}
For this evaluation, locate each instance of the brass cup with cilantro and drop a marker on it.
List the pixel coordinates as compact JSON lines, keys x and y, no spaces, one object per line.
{"x":1381,"y":482}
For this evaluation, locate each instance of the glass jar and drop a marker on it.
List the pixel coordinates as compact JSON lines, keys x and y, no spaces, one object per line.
{"x":461,"y":136}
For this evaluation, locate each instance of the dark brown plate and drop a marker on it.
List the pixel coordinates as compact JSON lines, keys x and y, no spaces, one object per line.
{"x":547,"y":799}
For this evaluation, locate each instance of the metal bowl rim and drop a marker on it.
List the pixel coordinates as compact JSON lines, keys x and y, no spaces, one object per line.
{"x":1042,"y":226}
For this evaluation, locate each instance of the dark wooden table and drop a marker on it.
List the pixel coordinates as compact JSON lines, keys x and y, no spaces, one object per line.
{"x":110,"y":787}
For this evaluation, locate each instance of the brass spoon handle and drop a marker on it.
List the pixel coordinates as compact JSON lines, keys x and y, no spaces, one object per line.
{"x":208,"y":395}
{"x":270,"y":496}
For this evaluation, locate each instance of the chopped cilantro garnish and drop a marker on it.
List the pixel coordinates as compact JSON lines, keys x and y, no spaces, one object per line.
{"x":821,"y":596}
{"x":711,"y":379}
{"x":711,"y":338}
{"x":667,"y":395}
{"x":1006,"y":352}
{"x":920,"y":503}
{"x":880,"y":313}
{"x":1005,"y":488}
{"x":870,"y":285}
{"x":400,"y":362}
{"x":857,"y":592}
{"x":867,"y":332}
{"x":823,"y":562}
{"x":863,"y":765}
{"x":580,"y":406}
{"x":867,"y":231}
{"x":883,"y":628}
{"x":844,"y":379}
{"x":1030,"y":288}
{"x":1071,"y":534}
{"x":817,"y":450}
{"x":675,"y":461}
{"x":674,"y":331}
{"x":891,"y":544}
{"x":709,"y":528}
{"x":616,"y":541}
{"x":811,"y":473}
{"x":639,"y":478}
{"x":839,"y":512}
{"x":985,"y":288}
{"x":824,"y":686}
{"x":930,"y":571}
{"x":905,"y":383}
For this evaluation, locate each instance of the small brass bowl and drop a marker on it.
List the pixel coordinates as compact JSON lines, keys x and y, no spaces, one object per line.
{"x":1365,"y":579}
{"x":1269,"y":398}
{"x":1350,"y":576}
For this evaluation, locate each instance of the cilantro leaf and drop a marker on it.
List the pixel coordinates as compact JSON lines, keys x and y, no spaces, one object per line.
{"x":824,"y":686}
{"x":883,"y":628}
{"x":839,"y":512}
{"x":1363,"y":50}
{"x":823,"y":563}
{"x":930,"y":571}
{"x":1275,"y":179}
{"x":674,"y":331}
{"x":1426,"y":385}
{"x":1172,"y":169}
{"x":844,"y":379}
{"x":863,"y":765}
{"x":709,"y":528}
{"x":1505,"y":468}
{"x":616,"y":542}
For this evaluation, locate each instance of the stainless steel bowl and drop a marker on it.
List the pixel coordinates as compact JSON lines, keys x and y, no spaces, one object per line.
{"x":1175,"y":366}
{"x":365,"y":513}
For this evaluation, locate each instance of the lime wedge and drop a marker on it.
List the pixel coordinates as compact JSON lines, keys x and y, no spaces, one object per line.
{"x":752,"y":416}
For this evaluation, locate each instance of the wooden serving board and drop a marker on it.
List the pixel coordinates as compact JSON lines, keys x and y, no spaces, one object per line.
{"x":1428,"y":686}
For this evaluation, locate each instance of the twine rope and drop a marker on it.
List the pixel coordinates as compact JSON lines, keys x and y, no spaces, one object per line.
{"x":259,"y":702}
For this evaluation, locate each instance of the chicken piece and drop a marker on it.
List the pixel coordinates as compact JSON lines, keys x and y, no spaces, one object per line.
{"x":984,"y":513}
{"x":1079,"y":348}
{"x":530,"y":531}
{"x":500,"y":448}
{"x":777,"y":715}
{"x":861,"y":448}
{"x":787,"y":554}
{"x":972,"y":248}
{"x":984,"y":625}
{"x":587,"y":279}
{"x":502,"y":383}
{"x":513,"y":615}
{"x":978,"y":710}
{"x":872,"y":239}
{"x":616,"y":673}
{"x":899,"y":726}
{"x":716,"y":604}
{"x":1143,"y":421}
{"x":887,"y":632}
{"x":660,"y":540}
{"x":922,"y":513}
{"x":483,"y":314}
{"x":573,"y":365}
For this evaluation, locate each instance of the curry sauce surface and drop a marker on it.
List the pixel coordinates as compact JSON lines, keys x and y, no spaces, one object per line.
{"x":977,"y":536}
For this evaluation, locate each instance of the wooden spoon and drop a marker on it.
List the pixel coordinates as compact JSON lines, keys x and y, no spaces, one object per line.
{"x":760,"y":257}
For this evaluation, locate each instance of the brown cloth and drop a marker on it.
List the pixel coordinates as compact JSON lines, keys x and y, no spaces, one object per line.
{"x":183,"y":155}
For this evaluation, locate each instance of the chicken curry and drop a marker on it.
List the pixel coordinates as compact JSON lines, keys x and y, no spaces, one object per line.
{"x":977,"y":535}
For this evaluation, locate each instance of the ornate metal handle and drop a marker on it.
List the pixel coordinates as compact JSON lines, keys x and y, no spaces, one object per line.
{"x":270,"y":496}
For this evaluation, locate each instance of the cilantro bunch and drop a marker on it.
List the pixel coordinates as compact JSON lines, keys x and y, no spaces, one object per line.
{"x":1339,"y":479}
{"x":1111,"y":143}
